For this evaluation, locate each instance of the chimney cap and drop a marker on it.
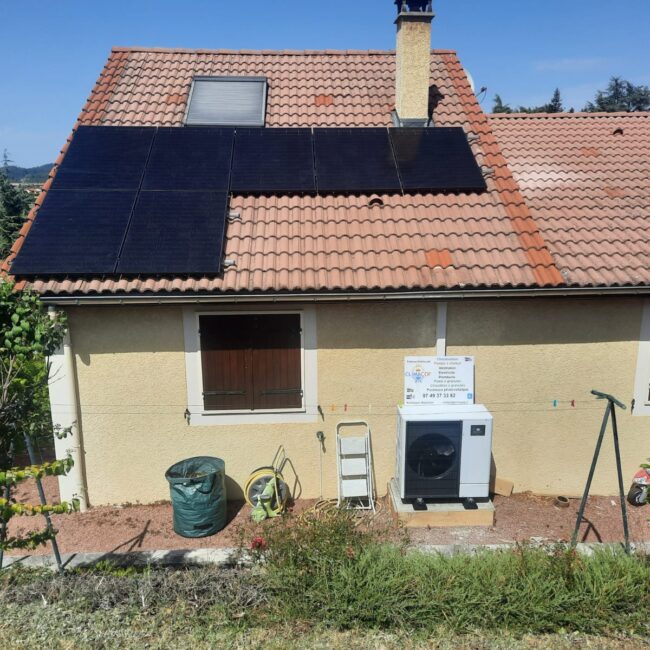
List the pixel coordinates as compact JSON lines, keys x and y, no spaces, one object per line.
{"x":414,"y":7}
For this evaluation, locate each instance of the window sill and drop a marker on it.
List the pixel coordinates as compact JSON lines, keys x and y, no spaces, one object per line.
{"x":219,"y":418}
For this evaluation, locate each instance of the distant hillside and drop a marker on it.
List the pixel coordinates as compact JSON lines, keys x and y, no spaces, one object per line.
{"x":28,"y":174}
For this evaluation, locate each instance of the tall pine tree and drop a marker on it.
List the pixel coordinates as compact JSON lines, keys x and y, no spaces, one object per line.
{"x":499,"y":106}
{"x":554,"y":106}
{"x":15,"y":203}
{"x":620,"y":96}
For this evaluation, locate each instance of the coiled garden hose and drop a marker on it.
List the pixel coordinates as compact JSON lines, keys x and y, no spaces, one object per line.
{"x":258,"y":481}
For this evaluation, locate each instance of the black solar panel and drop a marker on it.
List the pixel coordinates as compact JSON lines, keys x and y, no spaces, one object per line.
{"x":190,"y":159}
{"x":175,"y":233}
{"x":273,"y":160}
{"x":76,"y":232}
{"x":105,"y":158}
{"x":355,"y":160}
{"x":93,"y":222}
{"x":436,"y":159}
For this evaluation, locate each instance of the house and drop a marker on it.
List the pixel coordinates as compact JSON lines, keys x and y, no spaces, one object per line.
{"x":543,"y":278}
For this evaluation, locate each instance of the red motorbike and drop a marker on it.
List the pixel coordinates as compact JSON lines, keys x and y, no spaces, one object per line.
{"x":639,"y":493}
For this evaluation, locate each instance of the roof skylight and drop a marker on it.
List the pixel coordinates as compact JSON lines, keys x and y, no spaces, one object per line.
{"x":227,"y":101}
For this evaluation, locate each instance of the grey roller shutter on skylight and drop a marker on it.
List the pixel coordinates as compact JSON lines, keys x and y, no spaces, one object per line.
{"x":227,"y":101}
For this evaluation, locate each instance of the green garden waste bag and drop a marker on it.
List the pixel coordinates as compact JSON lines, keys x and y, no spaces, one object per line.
{"x":198,"y":493}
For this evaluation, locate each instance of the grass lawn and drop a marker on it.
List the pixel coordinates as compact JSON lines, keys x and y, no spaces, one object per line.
{"x":56,"y":626}
{"x":324,"y":582}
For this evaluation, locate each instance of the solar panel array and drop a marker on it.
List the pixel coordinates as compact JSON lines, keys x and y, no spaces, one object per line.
{"x":154,"y":200}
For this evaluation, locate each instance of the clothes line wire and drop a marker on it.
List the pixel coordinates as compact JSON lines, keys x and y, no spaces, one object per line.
{"x":350,"y":405}
{"x":374,"y":410}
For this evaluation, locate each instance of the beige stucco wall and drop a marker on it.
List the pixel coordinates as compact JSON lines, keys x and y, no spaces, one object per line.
{"x":529,"y":353}
{"x":132,"y":388}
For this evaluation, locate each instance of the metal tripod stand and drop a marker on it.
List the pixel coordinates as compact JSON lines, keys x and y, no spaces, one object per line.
{"x":610,"y":410}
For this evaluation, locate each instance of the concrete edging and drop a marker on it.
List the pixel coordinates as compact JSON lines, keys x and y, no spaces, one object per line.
{"x":176,"y":558}
{"x":228,"y":557}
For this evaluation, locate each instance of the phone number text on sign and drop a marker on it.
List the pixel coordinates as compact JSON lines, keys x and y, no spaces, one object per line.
{"x":439,"y":380}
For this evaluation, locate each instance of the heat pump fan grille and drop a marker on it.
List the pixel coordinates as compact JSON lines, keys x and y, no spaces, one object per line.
{"x":433,"y":451}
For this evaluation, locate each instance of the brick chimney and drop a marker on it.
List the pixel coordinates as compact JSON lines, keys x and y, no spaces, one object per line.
{"x":413,"y":62}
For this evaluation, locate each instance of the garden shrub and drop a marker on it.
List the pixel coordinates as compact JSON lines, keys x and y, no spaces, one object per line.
{"x":329,"y":571}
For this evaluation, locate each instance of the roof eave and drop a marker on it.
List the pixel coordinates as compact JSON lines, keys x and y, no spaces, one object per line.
{"x":342,"y":296}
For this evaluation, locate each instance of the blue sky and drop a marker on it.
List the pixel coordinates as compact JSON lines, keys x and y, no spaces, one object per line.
{"x":52,"y":52}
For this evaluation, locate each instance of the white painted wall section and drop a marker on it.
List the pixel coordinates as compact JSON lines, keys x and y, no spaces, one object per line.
{"x":62,"y":384}
{"x":642,"y":378}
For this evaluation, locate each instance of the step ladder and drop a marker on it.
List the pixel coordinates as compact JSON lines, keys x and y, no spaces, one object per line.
{"x":354,"y":464}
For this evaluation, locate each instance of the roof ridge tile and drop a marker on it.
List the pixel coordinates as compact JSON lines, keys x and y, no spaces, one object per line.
{"x":564,"y":115}
{"x":268,"y":52}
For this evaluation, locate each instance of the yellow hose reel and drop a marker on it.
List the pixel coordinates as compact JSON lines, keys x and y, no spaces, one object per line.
{"x":259,"y":480}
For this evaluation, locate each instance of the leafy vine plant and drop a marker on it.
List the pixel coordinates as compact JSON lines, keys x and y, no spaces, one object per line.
{"x":9,"y":508}
{"x":29,"y":336}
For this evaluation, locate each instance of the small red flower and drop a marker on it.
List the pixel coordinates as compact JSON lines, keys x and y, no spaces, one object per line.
{"x":258,"y":544}
{"x":349,"y":551}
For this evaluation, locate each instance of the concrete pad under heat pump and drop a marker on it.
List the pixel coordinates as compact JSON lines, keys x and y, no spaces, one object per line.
{"x":442,"y":515}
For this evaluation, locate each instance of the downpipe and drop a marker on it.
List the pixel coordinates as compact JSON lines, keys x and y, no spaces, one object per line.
{"x":62,"y":385}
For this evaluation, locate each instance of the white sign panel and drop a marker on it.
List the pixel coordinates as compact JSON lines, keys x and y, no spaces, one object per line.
{"x":439,"y":380}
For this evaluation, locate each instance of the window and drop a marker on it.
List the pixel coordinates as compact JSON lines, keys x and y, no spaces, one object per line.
{"x":251,"y":366}
{"x":227,"y":101}
{"x":642,"y":381}
{"x":251,"y":362}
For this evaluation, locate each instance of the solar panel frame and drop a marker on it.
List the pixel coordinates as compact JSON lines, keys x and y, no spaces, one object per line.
{"x":436,"y":159}
{"x":75,"y":233}
{"x":175,"y":233}
{"x":190,"y":158}
{"x":355,"y":160}
{"x":273,"y":160}
{"x":105,"y":158}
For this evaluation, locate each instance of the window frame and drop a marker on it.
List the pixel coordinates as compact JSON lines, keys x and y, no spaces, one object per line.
{"x":198,"y":415}
{"x":225,"y":79}
{"x":642,"y":377}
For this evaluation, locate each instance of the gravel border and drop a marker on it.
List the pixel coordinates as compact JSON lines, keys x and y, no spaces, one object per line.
{"x":228,"y":557}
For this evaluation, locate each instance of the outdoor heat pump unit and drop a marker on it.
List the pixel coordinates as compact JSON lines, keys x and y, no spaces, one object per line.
{"x":443,"y":453}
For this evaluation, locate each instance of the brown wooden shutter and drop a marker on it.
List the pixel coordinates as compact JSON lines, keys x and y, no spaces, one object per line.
{"x":277,"y":362}
{"x":226,"y":362}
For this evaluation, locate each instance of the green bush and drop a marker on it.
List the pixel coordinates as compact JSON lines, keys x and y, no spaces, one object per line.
{"x":327,"y":570}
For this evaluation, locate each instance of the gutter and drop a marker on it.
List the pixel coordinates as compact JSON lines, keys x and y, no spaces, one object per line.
{"x":188,"y":298}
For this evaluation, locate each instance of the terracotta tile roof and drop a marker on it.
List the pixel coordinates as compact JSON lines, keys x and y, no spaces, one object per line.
{"x":332,"y":243}
{"x":586,"y":179}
